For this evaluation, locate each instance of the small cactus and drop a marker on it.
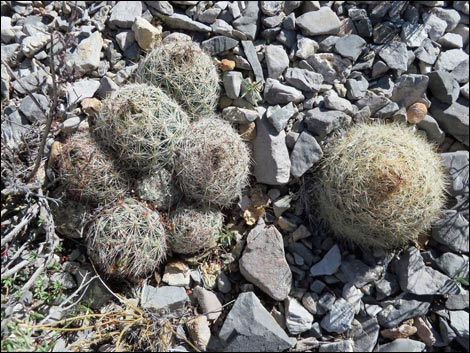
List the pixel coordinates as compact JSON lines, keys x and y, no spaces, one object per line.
{"x":194,"y":229}
{"x":88,"y":172}
{"x":142,"y":125}
{"x":213,"y":163}
{"x":379,"y":186}
{"x":159,"y":189}
{"x":187,"y":74}
{"x":127,"y":240}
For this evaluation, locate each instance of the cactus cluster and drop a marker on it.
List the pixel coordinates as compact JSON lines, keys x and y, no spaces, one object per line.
{"x":165,"y":149}
{"x":380,"y":186}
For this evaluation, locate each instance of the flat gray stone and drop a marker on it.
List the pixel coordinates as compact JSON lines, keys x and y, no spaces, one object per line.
{"x":252,"y":57}
{"x":298,"y":319}
{"x":387,"y":286}
{"x":357,"y":87}
{"x":208,"y":302}
{"x":304,"y":80}
{"x":451,"y":41}
{"x":107,"y":87}
{"x":449,"y":59}
{"x":86,"y":56}
{"x":453,"y":231}
{"x":450,"y":16}
{"x":428,"y":52}
{"x":232,"y":83}
{"x":359,"y":274}
{"x":403,"y":309}
{"x":435,"y":27}
{"x":409,"y":89}
{"x":33,"y":44}
{"x":277,"y":93}
{"x":13,"y":126}
{"x":239,"y":115}
{"x":350,"y":46}
{"x":80,"y":90}
{"x":329,"y":264}
{"x":457,"y":164}
{"x":250,"y":327}
{"x":279,"y":116}
{"x":417,"y":278}
{"x":334,"y":102}
{"x":403,"y":345}
{"x":322,"y":21}
{"x":248,"y":21}
{"x":461,"y":73}
{"x":31,"y":111}
{"x":453,"y":119}
{"x":338,"y":346}
{"x":443,"y":86}
{"x":305,"y":154}
{"x":180,"y":21}
{"x":271,"y":157}
{"x":277,"y":60}
{"x":433,"y":131}
{"x":395,"y":55}
{"x":453,"y":265}
{"x":332,"y":67}
{"x":459,"y":322}
{"x":305,"y":47}
{"x":458,"y":301}
{"x":322,"y":122}
{"x":339,"y":318}
{"x":164,"y":301}
{"x":219,"y":44}
{"x":263,"y":262}
{"x":364,"y":333}
{"x":164,"y":7}
{"x":124,"y":13}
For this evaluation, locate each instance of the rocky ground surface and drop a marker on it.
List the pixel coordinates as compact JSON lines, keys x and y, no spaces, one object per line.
{"x":292,"y":73}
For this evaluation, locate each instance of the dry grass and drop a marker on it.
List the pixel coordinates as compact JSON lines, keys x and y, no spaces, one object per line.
{"x":159,"y":189}
{"x":213,"y":163}
{"x":194,"y":229}
{"x":186,"y":72}
{"x":127,"y":240}
{"x":88,"y":172}
{"x":380,"y":186}
{"x":142,"y":124}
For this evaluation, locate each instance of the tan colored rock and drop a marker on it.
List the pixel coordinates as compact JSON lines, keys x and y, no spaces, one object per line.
{"x":227,"y":65}
{"x":404,"y":331}
{"x":199,"y":331}
{"x":146,"y":35}
{"x":247,"y":131}
{"x":91,"y":106}
{"x":416,"y":112}
{"x":424,"y":331}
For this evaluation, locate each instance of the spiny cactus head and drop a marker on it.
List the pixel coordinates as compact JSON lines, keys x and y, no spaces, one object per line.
{"x":127,"y":240}
{"x":380,"y":186}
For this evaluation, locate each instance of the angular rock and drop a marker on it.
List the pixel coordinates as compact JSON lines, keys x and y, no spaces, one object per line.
{"x":164,"y":301}
{"x":413,"y":34}
{"x":305,"y":154}
{"x":332,"y":67}
{"x":239,"y":115}
{"x":124,"y":13}
{"x":219,"y":44}
{"x":356,"y":86}
{"x":350,"y":46}
{"x":209,"y":303}
{"x":458,"y":301}
{"x":210,"y":15}
{"x":146,"y":35}
{"x":176,"y":274}
{"x":329,"y":264}
{"x":334,"y":102}
{"x":443,"y":86}
{"x":248,"y":21}
{"x":305,"y":47}
{"x":433,"y":131}
{"x":33,"y":44}
{"x":10,"y":54}
{"x":403,"y":345}
{"x":263,"y":262}
{"x":453,"y":231}
{"x":322,"y":21}
{"x":416,"y":278}
{"x":451,"y":41}
{"x":277,"y":60}
{"x":450,"y":59}
{"x":199,"y":331}
{"x":164,"y":7}
{"x":31,"y":111}
{"x":359,"y":274}
{"x":298,"y":319}
{"x":453,"y":265}
{"x":459,"y":322}
{"x":457,"y":164}
{"x":340,"y":317}
{"x":309,"y":301}
{"x":223,"y":283}
{"x":180,"y":21}
{"x":338,"y":346}
{"x":321,"y":122}
{"x":364,"y":333}
{"x":280,"y":116}
{"x":80,"y":90}
{"x":277,"y":93}
{"x":86,"y":57}
{"x":395,"y":55}
{"x":107,"y":87}
{"x":304,"y":80}
{"x":435,"y":27}
{"x":409,"y":89}
{"x":453,"y":119}
{"x":450,"y":16}
{"x":250,"y":327}
{"x":403,"y":309}
{"x":232,"y":84}
{"x":424,"y":330}
{"x":252,"y":57}
{"x":461,"y":73}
